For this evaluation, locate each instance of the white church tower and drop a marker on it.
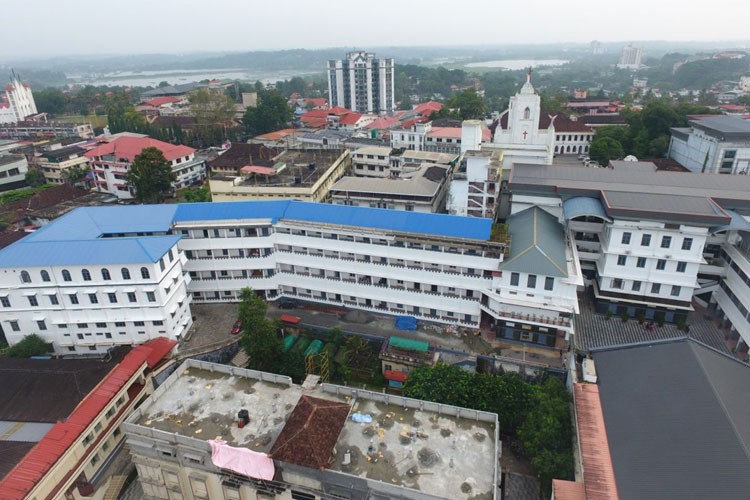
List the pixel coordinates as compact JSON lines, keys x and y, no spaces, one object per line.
{"x":522,"y":141}
{"x":17,"y":101}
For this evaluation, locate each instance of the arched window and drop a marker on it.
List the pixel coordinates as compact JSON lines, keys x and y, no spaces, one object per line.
{"x":25,"y":278}
{"x":66,"y":275}
{"x":86,"y":275}
{"x":45,"y":276}
{"x":125,"y":273}
{"x":105,"y":275}
{"x":526,"y":114}
{"x":145,"y":274}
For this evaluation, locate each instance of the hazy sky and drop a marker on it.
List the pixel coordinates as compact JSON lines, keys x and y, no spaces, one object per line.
{"x":54,"y":27}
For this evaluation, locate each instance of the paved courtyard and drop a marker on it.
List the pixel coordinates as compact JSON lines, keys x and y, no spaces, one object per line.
{"x":596,"y":331}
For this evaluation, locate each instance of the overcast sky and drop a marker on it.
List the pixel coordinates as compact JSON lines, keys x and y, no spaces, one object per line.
{"x":55,"y":27}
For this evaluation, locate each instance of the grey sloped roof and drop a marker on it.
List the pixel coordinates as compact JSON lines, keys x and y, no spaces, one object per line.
{"x":584,"y":206}
{"x":537,"y":244}
{"x":677,"y":421}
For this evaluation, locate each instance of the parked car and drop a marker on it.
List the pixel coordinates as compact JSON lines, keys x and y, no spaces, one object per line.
{"x":237,"y":327}
{"x":584,"y":158}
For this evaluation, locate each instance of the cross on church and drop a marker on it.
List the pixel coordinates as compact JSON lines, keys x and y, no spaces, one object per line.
{"x":525,"y":134}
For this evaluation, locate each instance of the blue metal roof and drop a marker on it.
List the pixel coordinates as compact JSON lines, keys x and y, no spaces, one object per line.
{"x":76,"y":238}
{"x":393,"y":220}
{"x":87,"y":252}
{"x":584,"y":206}
{"x":375,"y":218}
{"x":273,"y":210}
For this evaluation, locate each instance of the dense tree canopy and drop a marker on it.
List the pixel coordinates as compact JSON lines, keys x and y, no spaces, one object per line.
{"x":538,"y":415}
{"x":605,"y":149}
{"x":151,"y":176}
{"x":259,"y":335}
{"x":272,"y":113}
{"x":30,"y":345}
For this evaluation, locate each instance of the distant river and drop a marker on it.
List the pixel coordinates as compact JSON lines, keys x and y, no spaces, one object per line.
{"x":177,"y":76}
{"x":514,"y":64}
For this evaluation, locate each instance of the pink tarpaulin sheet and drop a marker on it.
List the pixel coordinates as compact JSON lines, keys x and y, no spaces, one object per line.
{"x":241,"y":460}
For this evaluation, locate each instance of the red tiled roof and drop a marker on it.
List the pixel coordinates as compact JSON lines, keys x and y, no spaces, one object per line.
{"x":316,"y":101}
{"x":310,"y":433}
{"x":562,"y":123}
{"x":350,"y":119}
{"x":427,"y":108}
{"x":384,"y":122}
{"x":568,"y":490}
{"x":598,"y":472}
{"x":338,"y":110}
{"x":451,"y":132}
{"x":130,"y":147}
{"x":159,"y":101}
{"x":42,"y":457}
{"x":277,"y":135}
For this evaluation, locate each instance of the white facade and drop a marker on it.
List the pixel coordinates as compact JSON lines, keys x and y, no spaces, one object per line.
{"x":475,"y":186}
{"x":362,"y":83}
{"x":523,"y":141}
{"x":19,"y":100}
{"x":13,"y":170}
{"x":631,"y":57}
{"x":412,"y":138}
{"x":372,"y":161}
{"x":709,"y":147}
{"x":87,"y":309}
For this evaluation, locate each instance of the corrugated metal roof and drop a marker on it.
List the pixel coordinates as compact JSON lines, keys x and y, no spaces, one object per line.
{"x":568,"y":490}
{"x":677,"y":421}
{"x":37,"y":463}
{"x":408,"y":344}
{"x":537,"y":242}
{"x":580,"y":206}
{"x":598,"y":475}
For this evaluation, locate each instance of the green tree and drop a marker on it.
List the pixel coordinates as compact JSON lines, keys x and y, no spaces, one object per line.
{"x":259,"y":335}
{"x":605,"y":149}
{"x":468,"y":105}
{"x":73,"y":174}
{"x":271,"y":113}
{"x":197,"y":194}
{"x":150,"y":176}
{"x":34,"y":177}
{"x":211,"y":109}
{"x":30,"y":345}
{"x":50,"y":101}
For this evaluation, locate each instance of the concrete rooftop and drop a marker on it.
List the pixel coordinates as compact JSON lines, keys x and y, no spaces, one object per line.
{"x":440,"y":450}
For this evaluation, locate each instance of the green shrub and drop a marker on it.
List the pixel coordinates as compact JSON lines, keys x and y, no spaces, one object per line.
{"x":30,"y":345}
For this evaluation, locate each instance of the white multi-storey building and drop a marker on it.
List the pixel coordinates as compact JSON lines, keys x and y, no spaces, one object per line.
{"x":111,"y":162}
{"x":434,"y":267}
{"x":474,"y":188}
{"x":644,"y":238}
{"x":630,"y":57}
{"x":94,"y":279}
{"x":713,"y":145}
{"x":13,"y":170}
{"x":17,"y":101}
{"x":362,"y":83}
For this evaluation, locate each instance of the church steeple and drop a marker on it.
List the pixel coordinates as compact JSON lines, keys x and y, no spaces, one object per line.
{"x":527,"y":87}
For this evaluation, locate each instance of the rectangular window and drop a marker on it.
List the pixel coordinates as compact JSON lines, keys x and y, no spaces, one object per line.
{"x":661,"y":264}
{"x":32,"y":301}
{"x":645,"y":240}
{"x":549,"y":283}
{"x":120,"y":324}
{"x":5,"y":301}
{"x":655,"y":288}
{"x":681,"y":267}
{"x":151,"y":297}
{"x":53,"y":300}
{"x":617,"y":283}
{"x":666,"y":241}
{"x":158,"y":323}
{"x":687,"y":243}
{"x":112,"y":298}
{"x":131,"y":297}
{"x":514,"y":279}
{"x":74,"y":299}
{"x":138,"y":323}
{"x":622,"y":260}
{"x":41,"y":324}
{"x":626,"y":238}
{"x":14,"y":326}
{"x":531,"y":281}
{"x":93,"y":298}
{"x":641,"y":262}
{"x":636,"y":286}
{"x":675,"y":292}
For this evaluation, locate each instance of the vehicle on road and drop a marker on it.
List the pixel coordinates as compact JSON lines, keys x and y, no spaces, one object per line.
{"x":236,"y":328}
{"x":287,"y":304}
